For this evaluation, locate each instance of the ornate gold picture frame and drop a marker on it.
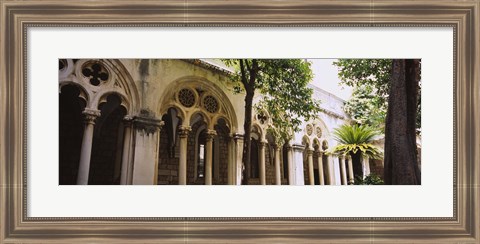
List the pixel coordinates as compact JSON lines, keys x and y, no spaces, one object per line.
{"x":17,"y":16}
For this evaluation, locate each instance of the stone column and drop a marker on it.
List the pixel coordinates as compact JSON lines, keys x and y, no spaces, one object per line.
{"x":182,"y":164}
{"x":126,"y":159}
{"x":291,"y":176}
{"x":231,"y":160}
{"x":311,"y":175}
{"x":343,"y":173}
{"x":351,"y":180}
{"x":261,"y":163}
{"x":209,"y":156}
{"x":331,"y":170}
{"x":320,"y":168}
{"x":366,"y":166}
{"x":278,"y":178}
{"x":238,"y":154}
{"x":145,"y":153}
{"x":298,"y":164}
{"x":86,"y":152}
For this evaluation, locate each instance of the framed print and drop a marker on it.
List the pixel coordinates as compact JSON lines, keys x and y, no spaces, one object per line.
{"x":108,"y":49}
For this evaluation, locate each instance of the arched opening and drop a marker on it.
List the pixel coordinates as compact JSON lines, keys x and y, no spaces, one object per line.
{"x":107,"y":146}
{"x":254,"y":178}
{"x":306,"y":175}
{"x":285,"y":162}
{"x":169,"y":149}
{"x":220,"y":153}
{"x":316,"y":154}
{"x":70,"y":133}
{"x":197,"y":151}
{"x":270,"y":160}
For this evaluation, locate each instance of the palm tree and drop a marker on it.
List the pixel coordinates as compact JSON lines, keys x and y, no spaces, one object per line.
{"x":356,"y":141}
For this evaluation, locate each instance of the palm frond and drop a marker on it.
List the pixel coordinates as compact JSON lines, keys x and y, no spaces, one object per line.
{"x":354,"y":138}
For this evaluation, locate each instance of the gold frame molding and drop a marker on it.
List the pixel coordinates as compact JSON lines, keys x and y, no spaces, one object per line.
{"x":17,"y":16}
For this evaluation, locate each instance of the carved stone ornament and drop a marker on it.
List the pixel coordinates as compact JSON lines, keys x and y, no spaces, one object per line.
{"x":95,"y":72}
{"x":318,"y":131}
{"x":148,"y":125}
{"x":210,"y":104}
{"x":210,"y":135}
{"x":90,"y":115}
{"x":184,"y":130}
{"x":186,"y":97}
{"x":309,"y":129}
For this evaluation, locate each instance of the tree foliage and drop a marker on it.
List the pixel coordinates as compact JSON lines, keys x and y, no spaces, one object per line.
{"x":370,"y":79}
{"x":371,"y":179}
{"x":282,"y":84}
{"x":356,"y":138}
{"x":356,"y":141}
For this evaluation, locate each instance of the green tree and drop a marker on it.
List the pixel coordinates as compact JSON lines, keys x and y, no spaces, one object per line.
{"x":282,"y":84}
{"x":356,"y":141}
{"x":370,"y":79}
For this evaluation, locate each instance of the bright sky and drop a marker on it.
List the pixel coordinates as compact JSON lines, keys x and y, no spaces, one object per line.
{"x":325,"y":77}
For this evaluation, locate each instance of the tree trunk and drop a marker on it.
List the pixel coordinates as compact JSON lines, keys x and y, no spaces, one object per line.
{"x":401,"y":166}
{"x":357,"y":164}
{"x":247,"y":126}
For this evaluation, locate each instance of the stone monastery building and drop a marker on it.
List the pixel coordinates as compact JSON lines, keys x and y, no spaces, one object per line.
{"x":168,"y":122}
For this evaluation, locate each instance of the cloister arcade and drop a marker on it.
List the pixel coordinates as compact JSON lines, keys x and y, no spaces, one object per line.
{"x":123,"y":122}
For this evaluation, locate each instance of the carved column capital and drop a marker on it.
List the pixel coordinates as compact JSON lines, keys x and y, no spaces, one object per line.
{"x":210,"y":134}
{"x":310,"y":151}
{"x":237,"y":136}
{"x":184,"y":130}
{"x":297,"y":147}
{"x":90,"y":115}
{"x":147,"y":124}
{"x":262,"y":144}
{"x":127,"y":120}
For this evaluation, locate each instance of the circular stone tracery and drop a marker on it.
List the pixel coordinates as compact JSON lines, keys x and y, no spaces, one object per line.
{"x":95,"y":72}
{"x":210,"y":104}
{"x":186,"y":97}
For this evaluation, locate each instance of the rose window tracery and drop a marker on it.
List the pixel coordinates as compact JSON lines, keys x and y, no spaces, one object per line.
{"x":210,"y":104}
{"x":95,"y":72}
{"x":186,"y":97}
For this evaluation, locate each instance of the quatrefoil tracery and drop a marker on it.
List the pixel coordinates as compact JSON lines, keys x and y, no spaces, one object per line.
{"x":95,"y":72}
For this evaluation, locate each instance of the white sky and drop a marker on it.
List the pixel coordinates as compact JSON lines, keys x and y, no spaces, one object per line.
{"x":326,"y":77}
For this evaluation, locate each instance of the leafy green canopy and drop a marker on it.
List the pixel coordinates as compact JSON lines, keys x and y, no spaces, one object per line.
{"x":355,"y":138}
{"x":370,"y":79}
{"x":283,"y":86}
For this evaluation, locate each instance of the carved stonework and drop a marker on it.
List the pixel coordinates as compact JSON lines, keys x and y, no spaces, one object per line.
{"x":210,"y":104}
{"x":184,"y":130}
{"x":90,"y":115}
{"x":148,"y":125}
{"x":186,"y":97}
{"x":309,"y":129}
{"x":210,"y":135}
{"x":95,"y":72}
{"x":237,"y":137}
{"x":318,"y":131}
{"x":261,"y":144}
{"x":127,"y":121}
